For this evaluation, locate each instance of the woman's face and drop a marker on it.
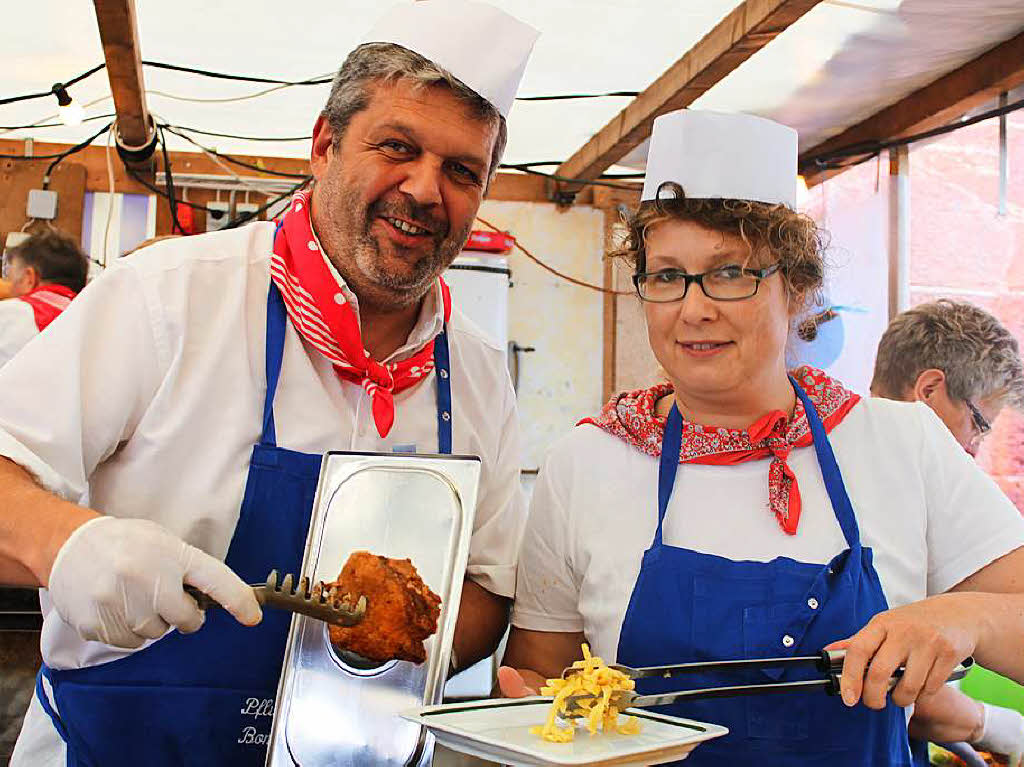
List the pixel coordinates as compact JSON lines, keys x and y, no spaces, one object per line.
{"x":713,"y":348}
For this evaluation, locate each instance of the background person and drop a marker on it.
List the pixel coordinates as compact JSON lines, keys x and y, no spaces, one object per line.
{"x":965,"y":365}
{"x":39,"y":278}
{"x":737,"y":512}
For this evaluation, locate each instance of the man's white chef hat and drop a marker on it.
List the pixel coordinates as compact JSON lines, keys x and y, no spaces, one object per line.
{"x":729,"y":156}
{"x":481,"y":45}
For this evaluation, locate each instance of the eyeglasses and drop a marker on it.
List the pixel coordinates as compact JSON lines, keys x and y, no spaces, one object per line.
{"x":727,"y":283}
{"x":980,"y":423}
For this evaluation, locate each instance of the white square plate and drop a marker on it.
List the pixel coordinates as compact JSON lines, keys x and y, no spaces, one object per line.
{"x":499,"y":730}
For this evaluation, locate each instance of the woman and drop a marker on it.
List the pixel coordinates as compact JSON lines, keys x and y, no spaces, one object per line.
{"x":735,"y":511}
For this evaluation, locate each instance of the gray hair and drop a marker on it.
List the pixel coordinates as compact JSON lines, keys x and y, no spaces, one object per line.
{"x":374,"y":63}
{"x":977,"y":353}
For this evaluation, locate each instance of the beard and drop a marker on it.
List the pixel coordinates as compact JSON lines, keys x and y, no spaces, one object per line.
{"x":385,"y":275}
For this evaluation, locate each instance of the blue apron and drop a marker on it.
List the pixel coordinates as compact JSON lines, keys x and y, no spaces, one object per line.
{"x":689,"y":606}
{"x":208,"y":698}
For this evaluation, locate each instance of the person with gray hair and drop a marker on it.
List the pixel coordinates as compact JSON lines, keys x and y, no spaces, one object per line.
{"x":956,"y":358}
{"x":225,"y":365}
{"x":966,"y":366}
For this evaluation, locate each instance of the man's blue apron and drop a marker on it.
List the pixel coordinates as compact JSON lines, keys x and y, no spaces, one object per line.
{"x":689,"y":606}
{"x":208,"y":698}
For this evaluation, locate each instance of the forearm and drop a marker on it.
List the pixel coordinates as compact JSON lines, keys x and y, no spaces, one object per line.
{"x":34,"y":524}
{"x":483,"y":618}
{"x":1001,"y":641}
{"x":948,"y":716}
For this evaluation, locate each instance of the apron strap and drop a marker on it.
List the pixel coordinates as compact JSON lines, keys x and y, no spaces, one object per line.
{"x":277,"y":319}
{"x":442,"y":367}
{"x":44,"y":701}
{"x":671,"y":444}
{"x":834,"y":484}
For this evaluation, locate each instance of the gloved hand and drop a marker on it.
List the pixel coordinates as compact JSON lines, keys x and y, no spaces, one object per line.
{"x":119,"y":581}
{"x":1003,"y":733}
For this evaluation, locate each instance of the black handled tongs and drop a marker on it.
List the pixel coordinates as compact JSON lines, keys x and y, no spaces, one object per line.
{"x":828,"y":662}
{"x":320,"y":601}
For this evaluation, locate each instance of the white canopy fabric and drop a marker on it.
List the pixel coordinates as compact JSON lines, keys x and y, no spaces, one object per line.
{"x":840,"y":63}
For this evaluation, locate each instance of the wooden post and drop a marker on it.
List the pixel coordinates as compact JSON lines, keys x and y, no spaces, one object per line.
{"x":120,"y":38}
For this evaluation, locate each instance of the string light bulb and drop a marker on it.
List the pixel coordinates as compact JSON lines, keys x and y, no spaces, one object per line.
{"x":71,"y":113}
{"x":802,"y":194}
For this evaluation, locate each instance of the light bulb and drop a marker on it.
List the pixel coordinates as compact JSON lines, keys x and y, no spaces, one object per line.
{"x":72,"y":114}
{"x":802,"y":194}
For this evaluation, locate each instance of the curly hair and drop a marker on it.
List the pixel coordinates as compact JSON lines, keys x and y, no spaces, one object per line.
{"x":979,"y":356}
{"x":773,"y":232}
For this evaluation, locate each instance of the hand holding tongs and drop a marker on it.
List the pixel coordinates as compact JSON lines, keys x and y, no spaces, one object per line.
{"x":320,"y":601}
{"x":828,"y":662}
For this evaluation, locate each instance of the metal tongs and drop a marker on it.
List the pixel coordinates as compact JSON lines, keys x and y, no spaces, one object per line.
{"x":319,"y":601}
{"x":828,"y":662}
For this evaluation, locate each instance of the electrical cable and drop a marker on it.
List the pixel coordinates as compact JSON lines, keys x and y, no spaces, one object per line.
{"x":50,"y":92}
{"x":169,"y":181}
{"x":110,"y":194}
{"x":236,"y":136}
{"x":68,"y":152}
{"x":8,"y":128}
{"x":250,"y":215}
{"x":568,"y":180}
{"x":232,"y":160}
{"x":241,"y":78}
{"x":561,"y":275}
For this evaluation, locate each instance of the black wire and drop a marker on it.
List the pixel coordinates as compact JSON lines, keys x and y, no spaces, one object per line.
{"x":44,"y":94}
{"x":568,"y":180}
{"x":243,"y":138}
{"x":55,"y":125}
{"x":232,"y":160}
{"x":240,"y":78}
{"x":250,"y":215}
{"x":160,"y":192}
{"x":169,"y":180}
{"x":572,"y":96}
{"x":67,"y":152}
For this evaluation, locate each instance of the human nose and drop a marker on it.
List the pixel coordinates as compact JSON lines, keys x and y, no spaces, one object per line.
{"x":695,"y":306}
{"x":423,"y":182}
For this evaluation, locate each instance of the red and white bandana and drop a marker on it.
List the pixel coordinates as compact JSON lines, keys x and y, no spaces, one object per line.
{"x":48,"y":301}
{"x":320,"y":312}
{"x":631,"y":417}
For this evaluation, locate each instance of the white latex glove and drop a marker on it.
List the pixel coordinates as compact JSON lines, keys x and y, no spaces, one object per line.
{"x":119,"y":581}
{"x":1003,"y":733}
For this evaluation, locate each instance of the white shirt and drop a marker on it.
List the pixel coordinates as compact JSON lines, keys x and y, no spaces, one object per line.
{"x":17,"y":327}
{"x":929,"y":513}
{"x":159,"y":401}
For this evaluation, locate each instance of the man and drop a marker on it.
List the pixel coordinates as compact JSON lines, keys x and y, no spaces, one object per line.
{"x":201,"y":379}
{"x":39,"y":278}
{"x":960,"y":361}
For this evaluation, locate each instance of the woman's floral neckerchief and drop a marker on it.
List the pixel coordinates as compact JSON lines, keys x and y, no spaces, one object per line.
{"x":631,"y":417}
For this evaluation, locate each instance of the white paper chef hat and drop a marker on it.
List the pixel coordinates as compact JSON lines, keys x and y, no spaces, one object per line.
{"x":732,"y":156}
{"x":482,"y":46}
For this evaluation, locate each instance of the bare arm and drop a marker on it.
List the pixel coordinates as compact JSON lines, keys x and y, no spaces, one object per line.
{"x":540,"y":655}
{"x":948,"y":716}
{"x":483,"y":618}
{"x":33,"y":526}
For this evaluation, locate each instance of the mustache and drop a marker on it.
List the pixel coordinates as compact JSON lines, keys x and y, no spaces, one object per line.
{"x":411,"y":212}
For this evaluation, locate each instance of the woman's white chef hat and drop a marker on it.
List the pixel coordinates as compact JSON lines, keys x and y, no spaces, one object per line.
{"x":482,"y":46}
{"x":732,"y":156}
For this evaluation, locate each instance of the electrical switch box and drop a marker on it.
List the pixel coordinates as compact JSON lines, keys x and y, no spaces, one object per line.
{"x":42,"y":203}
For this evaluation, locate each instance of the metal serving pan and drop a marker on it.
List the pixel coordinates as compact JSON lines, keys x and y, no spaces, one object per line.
{"x":333,"y":709}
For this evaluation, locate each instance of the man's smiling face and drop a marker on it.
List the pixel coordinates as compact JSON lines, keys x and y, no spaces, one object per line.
{"x":396,"y":197}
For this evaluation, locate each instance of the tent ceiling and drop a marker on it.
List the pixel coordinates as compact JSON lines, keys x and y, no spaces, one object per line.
{"x":843,"y":61}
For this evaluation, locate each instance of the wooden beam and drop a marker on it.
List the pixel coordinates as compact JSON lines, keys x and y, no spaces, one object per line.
{"x":509,"y":187}
{"x":741,"y":34}
{"x":937,"y":104}
{"x":120,"y":38}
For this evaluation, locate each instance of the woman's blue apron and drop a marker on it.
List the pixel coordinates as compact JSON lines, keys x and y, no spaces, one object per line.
{"x":689,"y":606}
{"x":208,"y":698}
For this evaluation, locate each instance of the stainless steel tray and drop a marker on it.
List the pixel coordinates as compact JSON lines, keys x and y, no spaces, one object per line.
{"x":332,"y":709}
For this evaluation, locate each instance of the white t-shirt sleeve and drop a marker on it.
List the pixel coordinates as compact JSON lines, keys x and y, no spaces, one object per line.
{"x":71,"y":397}
{"x":547,"y":592}
{"x":971,"y":522}
{"x":17,"y":328}
{"x":500,"y":510}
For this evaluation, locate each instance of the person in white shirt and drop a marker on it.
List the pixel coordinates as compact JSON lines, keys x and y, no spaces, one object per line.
{"x":964,"y":364}
{"x":201,"y":379}
{"x":740,"y":511}
{"x":38,"y":279}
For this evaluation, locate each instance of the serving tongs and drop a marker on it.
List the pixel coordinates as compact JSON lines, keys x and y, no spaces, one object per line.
{"x":828,"y":662}
{"x":319,"y":601}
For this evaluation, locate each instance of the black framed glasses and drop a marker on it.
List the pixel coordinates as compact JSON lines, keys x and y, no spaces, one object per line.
{"x":981,"y":424}
{"x":727,"y":283}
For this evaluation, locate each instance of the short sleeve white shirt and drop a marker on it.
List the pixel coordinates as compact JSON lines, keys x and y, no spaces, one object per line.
{"x":931,"y":516}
